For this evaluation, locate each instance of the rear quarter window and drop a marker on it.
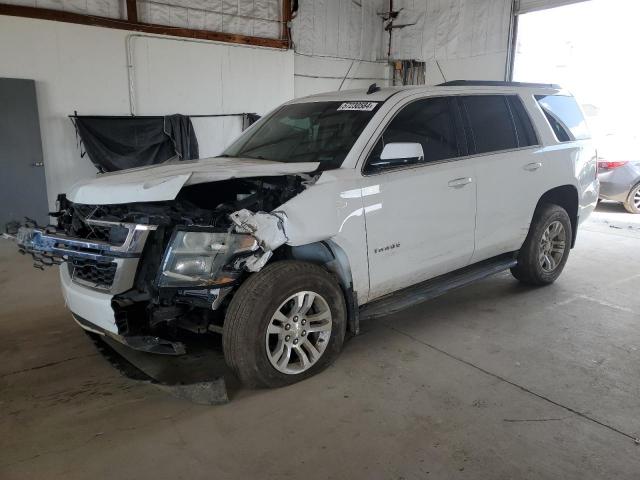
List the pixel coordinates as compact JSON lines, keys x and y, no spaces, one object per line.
{"x":564,"y":116}
{"x":524,"y":128}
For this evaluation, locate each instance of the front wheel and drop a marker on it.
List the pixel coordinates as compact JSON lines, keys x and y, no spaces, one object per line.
{"x":546,"y":248}
{"x":284,"y":324}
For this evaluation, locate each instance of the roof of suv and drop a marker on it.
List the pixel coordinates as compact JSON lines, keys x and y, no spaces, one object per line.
{"x":383,"y":93}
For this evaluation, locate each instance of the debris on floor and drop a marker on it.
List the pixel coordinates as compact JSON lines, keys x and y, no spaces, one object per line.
{"x":211,"y":392}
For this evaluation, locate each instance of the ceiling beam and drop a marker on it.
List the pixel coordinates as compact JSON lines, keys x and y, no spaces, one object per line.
{"x":69,"y":17}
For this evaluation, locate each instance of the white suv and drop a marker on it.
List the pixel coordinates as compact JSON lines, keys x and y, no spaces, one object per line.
{"x":331,"y":208}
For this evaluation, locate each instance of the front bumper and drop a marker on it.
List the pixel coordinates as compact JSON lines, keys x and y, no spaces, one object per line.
{"x":142,"y":343}
{"x":86,"y":304}
{"x":96,"y":277}
{"x":89,"y":296}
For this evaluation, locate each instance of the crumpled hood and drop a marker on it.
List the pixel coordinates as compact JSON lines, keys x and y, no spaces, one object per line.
{"x":164,"y":182}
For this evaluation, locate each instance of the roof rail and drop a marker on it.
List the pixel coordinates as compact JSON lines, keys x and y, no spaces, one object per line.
{"x":494,"y":83}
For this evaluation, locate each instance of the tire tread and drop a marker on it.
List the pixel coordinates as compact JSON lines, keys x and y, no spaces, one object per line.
{"x":527,"y":270}
{"x":240,"y":316}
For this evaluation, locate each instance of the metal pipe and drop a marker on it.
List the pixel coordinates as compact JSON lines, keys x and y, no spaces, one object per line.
{"x":337,"y":78}
{"x":319,"y":55}
{"x":346,"y":74}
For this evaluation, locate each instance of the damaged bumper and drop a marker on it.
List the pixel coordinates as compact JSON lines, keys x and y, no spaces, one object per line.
{"x":88,"y":303}
{"x":142,"y":343}
{"x":114,"y":289}
{"x":92,"y":272}
{"x":51,"y":247}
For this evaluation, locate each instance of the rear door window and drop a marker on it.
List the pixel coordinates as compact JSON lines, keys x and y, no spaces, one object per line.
{"x":490,"y":122}
{"x":564,"y":116}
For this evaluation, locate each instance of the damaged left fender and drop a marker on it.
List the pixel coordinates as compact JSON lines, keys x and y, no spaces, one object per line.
{"x":330,"y":209}
{"x":267,"y":228}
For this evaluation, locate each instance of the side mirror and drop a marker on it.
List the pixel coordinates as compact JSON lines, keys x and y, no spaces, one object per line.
{"x":403,"y":151}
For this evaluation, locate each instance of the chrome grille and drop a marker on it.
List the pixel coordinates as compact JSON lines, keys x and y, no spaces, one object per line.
{"x":93,"y":263}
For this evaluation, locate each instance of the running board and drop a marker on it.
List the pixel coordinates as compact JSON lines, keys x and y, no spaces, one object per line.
{"x":410,"y":296}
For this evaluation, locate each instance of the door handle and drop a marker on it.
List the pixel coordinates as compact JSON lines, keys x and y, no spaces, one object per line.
{"x":532,"y":167}
{"x":460,"y":182}
{"x":37,"y":164}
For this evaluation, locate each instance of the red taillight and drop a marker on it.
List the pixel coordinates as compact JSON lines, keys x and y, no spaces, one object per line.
{"x":610,"y":165}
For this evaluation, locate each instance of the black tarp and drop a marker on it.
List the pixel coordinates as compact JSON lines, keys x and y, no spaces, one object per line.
{"x":116,"y":143}
{"x":180,"y":131}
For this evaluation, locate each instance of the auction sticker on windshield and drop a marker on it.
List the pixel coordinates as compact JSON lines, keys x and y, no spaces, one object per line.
{"x":360,"y":106}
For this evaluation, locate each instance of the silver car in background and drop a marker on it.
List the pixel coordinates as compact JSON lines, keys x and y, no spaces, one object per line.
{"x":619,"y":171}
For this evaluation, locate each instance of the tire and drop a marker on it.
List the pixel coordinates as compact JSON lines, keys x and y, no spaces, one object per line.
{"x":632,"y":204}
{"x":267,"y":299}
{"x":535,"y":268}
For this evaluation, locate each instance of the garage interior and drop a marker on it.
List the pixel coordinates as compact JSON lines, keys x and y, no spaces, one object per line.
{"x":491,"y":381}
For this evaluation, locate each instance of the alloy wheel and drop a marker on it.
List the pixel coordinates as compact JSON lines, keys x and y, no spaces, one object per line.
{"x":552,"y":246}
{"x":299,"y":332}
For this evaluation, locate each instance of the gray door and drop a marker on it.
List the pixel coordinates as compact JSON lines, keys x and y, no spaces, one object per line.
{"x":23,"y":191}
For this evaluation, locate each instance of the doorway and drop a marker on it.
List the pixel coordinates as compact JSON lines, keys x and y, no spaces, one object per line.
{"x":23,"y":191}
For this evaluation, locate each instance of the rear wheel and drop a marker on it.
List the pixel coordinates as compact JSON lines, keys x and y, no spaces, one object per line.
{"x":546,"y":248}
{"x":285,"y":323}
{"x":632,"y":205}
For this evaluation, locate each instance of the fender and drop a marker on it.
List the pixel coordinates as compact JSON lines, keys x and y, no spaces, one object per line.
{"x":332,"y":257}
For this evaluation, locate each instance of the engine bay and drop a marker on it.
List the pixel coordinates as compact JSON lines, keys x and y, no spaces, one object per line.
{"x":205,"y":204}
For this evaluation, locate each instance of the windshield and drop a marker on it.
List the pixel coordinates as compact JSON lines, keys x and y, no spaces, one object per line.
{"x":306,"y":132}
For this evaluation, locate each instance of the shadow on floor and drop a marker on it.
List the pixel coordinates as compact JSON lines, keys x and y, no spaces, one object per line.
{"x":201,"y":375}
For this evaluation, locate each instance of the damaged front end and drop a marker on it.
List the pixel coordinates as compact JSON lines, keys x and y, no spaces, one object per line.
{"x":144,"y":273}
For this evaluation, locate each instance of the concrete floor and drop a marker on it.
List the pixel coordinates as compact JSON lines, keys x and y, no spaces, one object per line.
{"x":492,"y":381}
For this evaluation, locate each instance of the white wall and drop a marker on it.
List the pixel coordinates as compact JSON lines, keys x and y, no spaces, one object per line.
{"x":463,"y":39}
{"x":260,"y":18}
{"x":328,"y":35}
{"x":85,"y":69}
{"x":323,"y":74}
{"x":340,"y":28}
{"x":457,"y":39}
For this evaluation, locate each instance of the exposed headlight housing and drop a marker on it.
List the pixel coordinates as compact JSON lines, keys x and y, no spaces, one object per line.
{"x":197,"y":258}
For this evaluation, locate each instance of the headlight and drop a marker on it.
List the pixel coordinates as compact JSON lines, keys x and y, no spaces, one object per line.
{"x":197,"y":258}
